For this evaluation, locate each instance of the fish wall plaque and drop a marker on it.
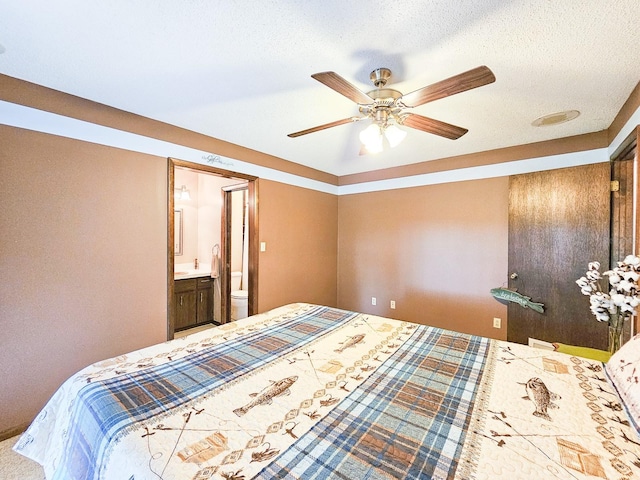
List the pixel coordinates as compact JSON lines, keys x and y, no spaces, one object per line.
{"x":515,"y":297}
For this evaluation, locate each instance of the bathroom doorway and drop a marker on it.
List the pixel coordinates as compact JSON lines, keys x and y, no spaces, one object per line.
{"x":236,"y":234}
{"x":203,"y":227}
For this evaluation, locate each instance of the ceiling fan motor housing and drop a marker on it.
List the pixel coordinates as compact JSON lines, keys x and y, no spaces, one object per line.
{"x":383,"y":106}
{"x":380,"y":76}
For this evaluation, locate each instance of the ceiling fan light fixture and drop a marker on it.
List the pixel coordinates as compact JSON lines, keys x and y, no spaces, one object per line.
{"x":394,"y":135}
{"x":371,"y":138}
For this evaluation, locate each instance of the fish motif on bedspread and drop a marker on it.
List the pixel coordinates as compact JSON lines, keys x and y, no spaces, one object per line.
{"x":352,"y":342}
{"x":541,"y":397}
{"x":306,"y":391}
{"x":280,"y":387}
{"x":576,"y":430}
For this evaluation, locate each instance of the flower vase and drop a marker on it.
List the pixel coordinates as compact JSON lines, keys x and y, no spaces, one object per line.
{"x":615,"y":333}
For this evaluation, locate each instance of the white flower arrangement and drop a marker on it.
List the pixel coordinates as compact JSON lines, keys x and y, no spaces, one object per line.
{"x":623,"y":297}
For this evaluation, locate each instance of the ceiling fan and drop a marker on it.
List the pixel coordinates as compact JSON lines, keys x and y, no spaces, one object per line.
{"x":386,"y":105}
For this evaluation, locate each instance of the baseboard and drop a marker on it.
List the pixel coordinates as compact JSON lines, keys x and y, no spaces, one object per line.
{"x":12,"y":432}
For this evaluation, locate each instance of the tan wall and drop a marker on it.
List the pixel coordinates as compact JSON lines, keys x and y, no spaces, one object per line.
{"x":300,"y":229}
{"x":83,"y":261}
{"x":436,"y":250}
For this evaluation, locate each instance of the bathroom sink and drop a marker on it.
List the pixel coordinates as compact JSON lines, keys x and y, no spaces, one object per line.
{"x":192,"y":273}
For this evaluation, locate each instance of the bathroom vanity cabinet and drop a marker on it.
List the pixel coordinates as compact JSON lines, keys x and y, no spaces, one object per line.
{"x":193,"y":302}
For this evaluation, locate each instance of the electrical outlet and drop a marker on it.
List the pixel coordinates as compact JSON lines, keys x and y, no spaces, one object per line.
{"x":497,"y":322}
{"x":373,"y":300}
{"x":393,"y":304}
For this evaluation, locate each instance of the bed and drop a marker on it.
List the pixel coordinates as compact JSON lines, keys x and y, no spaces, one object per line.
{"x":312,"y":392}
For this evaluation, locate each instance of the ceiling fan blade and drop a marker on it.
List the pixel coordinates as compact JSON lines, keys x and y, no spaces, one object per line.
{"x":435,"y":127}
{"x":340,"y":85}
{"x":326,"y":125}
{"x":457,"y":84}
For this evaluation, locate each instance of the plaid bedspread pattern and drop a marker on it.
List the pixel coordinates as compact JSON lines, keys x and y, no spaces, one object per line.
{"x":106,"y":408}
{"x":408,"y":420}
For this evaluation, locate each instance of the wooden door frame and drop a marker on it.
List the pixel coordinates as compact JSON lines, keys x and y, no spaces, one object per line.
{"x":172,"y":163}
{"x":250,"y":187}
{"x":626,"y":152}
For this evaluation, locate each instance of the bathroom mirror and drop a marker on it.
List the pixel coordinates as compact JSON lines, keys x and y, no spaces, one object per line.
{"x":177,"y":235}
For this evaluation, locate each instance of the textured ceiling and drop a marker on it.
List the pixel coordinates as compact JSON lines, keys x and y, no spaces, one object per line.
{"x":240,"y":70}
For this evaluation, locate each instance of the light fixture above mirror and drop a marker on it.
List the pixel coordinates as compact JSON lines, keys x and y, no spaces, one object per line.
{"x":182,"y":193}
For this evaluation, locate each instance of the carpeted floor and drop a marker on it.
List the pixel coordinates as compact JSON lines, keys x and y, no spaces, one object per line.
{"x":16,"y":467}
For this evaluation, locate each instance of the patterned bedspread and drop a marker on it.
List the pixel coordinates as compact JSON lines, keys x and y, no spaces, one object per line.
{"x":307,"y":391}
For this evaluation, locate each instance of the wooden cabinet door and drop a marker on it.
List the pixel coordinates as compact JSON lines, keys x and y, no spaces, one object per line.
{"x":205,"y":301}
{"x":558,"y":223}
{"x":185,"y":309}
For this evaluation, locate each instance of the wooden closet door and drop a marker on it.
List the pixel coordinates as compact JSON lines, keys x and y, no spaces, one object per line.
{"x":558,"y":223}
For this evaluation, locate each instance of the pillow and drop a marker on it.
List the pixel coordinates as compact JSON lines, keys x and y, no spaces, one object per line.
{"x":623,"y":370}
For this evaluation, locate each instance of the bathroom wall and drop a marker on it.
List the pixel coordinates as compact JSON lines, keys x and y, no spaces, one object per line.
{"x":237,"y":240}
{"x":210,"y":204}
{"x":189,"y":216}
{"x":202,"y":215}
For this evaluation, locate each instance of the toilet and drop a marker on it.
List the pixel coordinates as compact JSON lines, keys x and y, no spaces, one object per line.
{"x":239,"y":298}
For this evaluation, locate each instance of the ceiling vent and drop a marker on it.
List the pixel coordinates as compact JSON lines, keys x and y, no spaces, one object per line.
{"x":555,"y":118}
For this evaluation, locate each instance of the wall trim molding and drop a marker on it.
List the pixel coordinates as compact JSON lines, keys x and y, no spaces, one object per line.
{"x":482,"y":172}
{"x":29,"y":118}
